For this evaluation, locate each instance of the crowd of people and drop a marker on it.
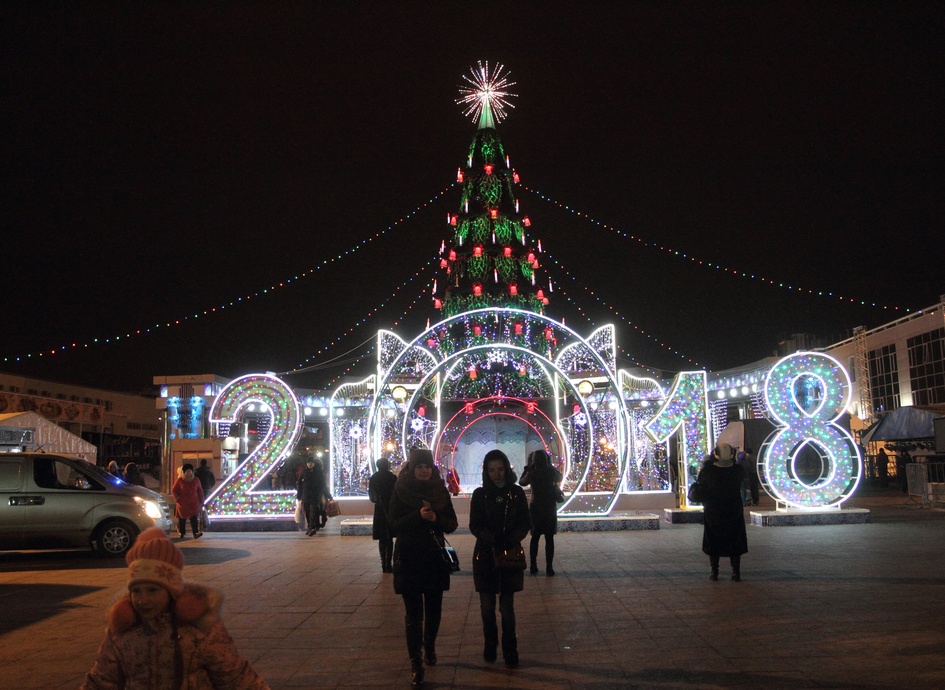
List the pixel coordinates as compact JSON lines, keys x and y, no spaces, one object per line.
{"x":413,"y":511}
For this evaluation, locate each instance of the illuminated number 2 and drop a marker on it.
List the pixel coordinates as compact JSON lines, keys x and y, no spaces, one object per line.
{"x":806,"y":393}
{"x":688,"y":407}
{"x":237,"y":494}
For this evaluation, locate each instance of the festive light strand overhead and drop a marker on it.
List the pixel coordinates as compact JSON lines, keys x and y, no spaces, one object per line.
{"x":710,"y":264}
{"x":613,"y":310}
{"x":187,"y":318}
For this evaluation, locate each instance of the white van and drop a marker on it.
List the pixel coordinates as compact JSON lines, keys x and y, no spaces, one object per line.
{"x":55,"y":501}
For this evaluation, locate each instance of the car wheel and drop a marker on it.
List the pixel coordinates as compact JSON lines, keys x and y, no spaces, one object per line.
{"x":115,"y":537}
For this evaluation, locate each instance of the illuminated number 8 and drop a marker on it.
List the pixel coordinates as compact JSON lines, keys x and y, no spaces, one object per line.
{"x":809,"y":421}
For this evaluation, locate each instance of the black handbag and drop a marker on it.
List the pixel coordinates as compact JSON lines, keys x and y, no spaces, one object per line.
{"x":696,"y":493}
{"x":559,"y":495}
{"x":447,"y":553}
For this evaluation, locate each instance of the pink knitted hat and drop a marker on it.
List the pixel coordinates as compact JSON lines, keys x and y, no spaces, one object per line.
{"x":155,"y":558}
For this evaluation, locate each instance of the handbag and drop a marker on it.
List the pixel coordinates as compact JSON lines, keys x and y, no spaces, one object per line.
{"x":332,"y":508}
{"x":299,"y":513}
{"x":447,"y":553}
{"x":696,"y":493}
{"x":510,"y":557}
{"x":559,"y":495}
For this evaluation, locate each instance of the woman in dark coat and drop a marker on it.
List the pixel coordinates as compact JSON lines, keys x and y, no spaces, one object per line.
{"x":724,"y":532}
{"x":543,"y":510}
{"x":380,"y":489}
{"x":312,"y":492}
{"x":420,"y":513}
{"x":498,"y":518}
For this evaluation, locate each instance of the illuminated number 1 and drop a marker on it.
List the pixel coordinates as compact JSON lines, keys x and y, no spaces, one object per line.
{"x":237,"y":495}
{"x":688,"y":407}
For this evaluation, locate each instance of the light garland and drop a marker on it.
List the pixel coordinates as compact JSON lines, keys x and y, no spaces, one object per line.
{"x":710,"y":264}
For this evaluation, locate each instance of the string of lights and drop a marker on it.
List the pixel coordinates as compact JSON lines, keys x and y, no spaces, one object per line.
{"x":418,"y":298}
{"x":710,"y":264}
{"x":304,"y":365}
{"x":210,"y":311}
{"x":641,"y":331}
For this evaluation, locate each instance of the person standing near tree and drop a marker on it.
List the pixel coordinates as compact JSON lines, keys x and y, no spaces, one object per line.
{"x":543,"y":510}
{"x":380,"y":489}
{"x":421,"y":512}
{"x":498,"y":518}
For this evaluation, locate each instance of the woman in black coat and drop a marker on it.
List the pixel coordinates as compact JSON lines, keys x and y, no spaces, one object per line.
{"x":380,"y":489}
{"x":498,"y":518}
{"x":724,"y":519}
{"x":543,"y":510}
{"x":420,"y":513}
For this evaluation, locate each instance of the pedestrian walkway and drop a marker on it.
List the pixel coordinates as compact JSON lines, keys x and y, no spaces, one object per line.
{"x":846,"y":606}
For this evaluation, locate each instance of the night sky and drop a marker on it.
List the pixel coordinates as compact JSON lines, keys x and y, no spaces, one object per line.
{"x":160,"y":160}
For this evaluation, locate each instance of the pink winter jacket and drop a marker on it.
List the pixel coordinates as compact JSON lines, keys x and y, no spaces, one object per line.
{"x":137,"y":656}
{"x":189,"y":497}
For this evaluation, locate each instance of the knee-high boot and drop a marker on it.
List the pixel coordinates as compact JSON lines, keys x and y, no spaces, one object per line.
{"x":736,"y":568}
{"x":430,"y":629}
{"x":714,"y":564}
{"x":549,"y":554}
{"x":533,"y":554}
{"x":414,"y":630}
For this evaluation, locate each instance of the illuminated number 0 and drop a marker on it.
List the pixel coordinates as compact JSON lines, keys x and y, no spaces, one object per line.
{"x":237,"y":494}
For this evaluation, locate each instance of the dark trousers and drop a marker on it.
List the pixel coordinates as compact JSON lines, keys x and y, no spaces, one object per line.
{"x":182,"y":525}
{"x":312,"y":514}
{"x":423,"y":610}
{"x":489,"y":629}
{"x":549,"y":549}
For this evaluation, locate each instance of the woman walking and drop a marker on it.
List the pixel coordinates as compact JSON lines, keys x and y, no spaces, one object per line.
{"x":498,"y":518}
{"x":543,"y":510}
{"x":724,"y":518}
{"x":420,"y":513}
{"x":188,"y":493}
{"x":380,"y":489}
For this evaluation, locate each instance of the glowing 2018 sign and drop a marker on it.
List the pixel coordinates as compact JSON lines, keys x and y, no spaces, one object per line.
{"x":237,"y":494}
{"x":804,"y":424}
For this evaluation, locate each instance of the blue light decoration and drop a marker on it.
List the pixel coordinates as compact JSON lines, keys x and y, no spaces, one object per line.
{"x":239,"y":495}
{"x":806,"y":394}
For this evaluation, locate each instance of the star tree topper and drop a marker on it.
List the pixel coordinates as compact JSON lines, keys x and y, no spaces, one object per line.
{"x":487,"y":96}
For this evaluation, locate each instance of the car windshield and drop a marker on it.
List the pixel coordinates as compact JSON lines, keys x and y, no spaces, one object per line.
{"x":102,"y":475}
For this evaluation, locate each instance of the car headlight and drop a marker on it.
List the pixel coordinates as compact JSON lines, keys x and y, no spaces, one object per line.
{"x":151,"y":508}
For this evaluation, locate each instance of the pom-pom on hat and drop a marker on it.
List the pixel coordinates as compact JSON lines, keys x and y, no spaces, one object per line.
{"x":155,"y":558}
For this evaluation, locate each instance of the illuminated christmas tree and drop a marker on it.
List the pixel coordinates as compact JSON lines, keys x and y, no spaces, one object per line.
{"x":492,"y":261}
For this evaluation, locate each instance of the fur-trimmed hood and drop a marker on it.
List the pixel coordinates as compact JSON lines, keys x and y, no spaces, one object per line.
{"x":197,"y":605}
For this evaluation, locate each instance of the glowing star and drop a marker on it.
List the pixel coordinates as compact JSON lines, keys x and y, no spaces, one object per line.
{"x":487,"y":99}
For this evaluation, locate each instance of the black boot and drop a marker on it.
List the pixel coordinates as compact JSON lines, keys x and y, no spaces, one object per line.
{"x":714,"y":564}
{"x":533,"y":556}
{"x":429,"y":642}
{"x":414,"y":643}
{"x":736,"y":568}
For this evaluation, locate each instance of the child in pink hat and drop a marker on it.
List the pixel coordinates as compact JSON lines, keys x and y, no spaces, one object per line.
{"x":166,"y":634}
